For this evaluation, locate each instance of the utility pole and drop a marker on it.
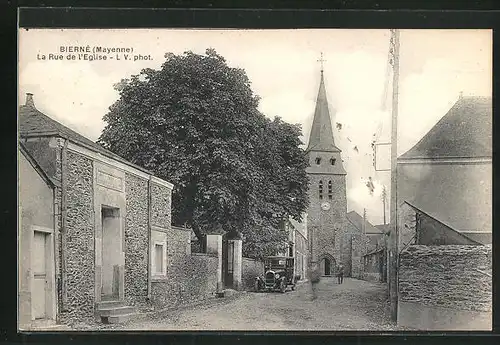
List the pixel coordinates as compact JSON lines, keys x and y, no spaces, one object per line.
{"x":393,"y":237}
{"x":364,"y":221}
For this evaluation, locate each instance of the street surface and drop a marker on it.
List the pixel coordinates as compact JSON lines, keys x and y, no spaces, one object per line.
{"x":354,"y":305}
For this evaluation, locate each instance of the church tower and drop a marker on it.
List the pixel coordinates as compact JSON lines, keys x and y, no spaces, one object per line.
{"x":326,"y":215}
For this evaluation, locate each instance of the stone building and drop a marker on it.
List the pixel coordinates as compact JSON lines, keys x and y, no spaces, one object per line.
{"x":368,"y":252}
{"x":445,"y":222}
{"x":362,"y":238}
{"x":329,"y":242}
{"x":447,"y":175}
{"x":94,"y":232}
{"x":298,"y":246}
{"x":375,"y":265}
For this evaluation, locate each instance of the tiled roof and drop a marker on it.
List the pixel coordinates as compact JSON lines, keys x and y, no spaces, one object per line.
{"x":33,"y":123}
{"x":385,"y":228}
{"x":300,"y":227}
{"x":481,"y":237}
{"x":448,"y":226}
{"x":357,"y":221}
{"x":37,"y":167}
{"x":465,"y":132}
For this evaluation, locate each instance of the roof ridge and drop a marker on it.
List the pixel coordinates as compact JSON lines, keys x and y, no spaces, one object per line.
{"x":477,"y":96}
{"x":361,"y":218}
{"x":54,"y":123}
{"x":59,"y":129}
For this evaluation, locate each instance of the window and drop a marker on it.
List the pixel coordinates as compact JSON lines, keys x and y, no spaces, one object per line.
{"x":332,"y":161}
{"x":318,"y":161}
{"x":159,"y":259}
{"x":330,"y":190}
{"x":320,"y":189}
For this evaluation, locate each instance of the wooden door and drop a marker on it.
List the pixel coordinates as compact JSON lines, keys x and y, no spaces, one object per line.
{"x":39,"y":266}
{"x":327,"y":267}
{"x":227,"y":263}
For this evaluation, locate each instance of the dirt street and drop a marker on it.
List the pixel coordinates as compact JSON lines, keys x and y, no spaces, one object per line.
{"x":354,"y":305}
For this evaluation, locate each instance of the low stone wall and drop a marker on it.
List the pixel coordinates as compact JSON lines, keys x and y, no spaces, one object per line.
{"x":250,"y":269}
{"x":445,"y":287}
{"x":190,"y":278}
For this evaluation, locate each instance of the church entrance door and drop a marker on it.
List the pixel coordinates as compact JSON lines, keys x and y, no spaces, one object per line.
{"x":327,"y":264}
{"x":327,"y":267}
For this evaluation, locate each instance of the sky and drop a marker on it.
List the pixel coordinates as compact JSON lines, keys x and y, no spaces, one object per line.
{"x":282,"y":65}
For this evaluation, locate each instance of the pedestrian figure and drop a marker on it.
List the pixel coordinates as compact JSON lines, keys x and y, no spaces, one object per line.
{"x":314,"y":278}
{"x":340,"y":274}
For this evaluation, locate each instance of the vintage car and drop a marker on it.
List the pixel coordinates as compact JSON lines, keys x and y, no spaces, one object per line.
{"x":279,"y":273}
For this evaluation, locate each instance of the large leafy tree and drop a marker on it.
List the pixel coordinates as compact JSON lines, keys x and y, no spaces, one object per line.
{"x":195,"y":122}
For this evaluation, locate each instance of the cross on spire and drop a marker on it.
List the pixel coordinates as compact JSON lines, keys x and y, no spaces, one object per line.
{"x":321,"y":60}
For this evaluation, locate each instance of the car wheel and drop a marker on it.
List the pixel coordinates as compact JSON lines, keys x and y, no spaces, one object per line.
{"x":283,"y":286}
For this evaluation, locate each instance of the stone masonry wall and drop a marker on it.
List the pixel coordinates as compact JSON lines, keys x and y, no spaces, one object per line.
{"x":301,"y":253}
{"x":346,"y":254}
{"x":160,"y":206}
{"x":359,"y":246}
{"x":178,"y":245}
{"x":136,"y":239}
{"x":250,"y":269}
{"x":328,"y":226}
{"x":447,"y":276}
{"x":79,"y":243}
{"x":189,"y":278}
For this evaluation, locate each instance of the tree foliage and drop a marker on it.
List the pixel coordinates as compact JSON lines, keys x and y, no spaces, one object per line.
{"x":195,"y":122}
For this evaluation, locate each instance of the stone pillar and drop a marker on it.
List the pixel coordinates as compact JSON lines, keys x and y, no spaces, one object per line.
{"x":214,"y":246}
{"x":237,"y":263}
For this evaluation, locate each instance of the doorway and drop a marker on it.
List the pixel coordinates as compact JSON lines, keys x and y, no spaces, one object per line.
{"x":227,"y":262}
{"x":42,"y":275}
{"x":111,"y":253}
{"x":327,"y":267}
{"x":327,"y":264}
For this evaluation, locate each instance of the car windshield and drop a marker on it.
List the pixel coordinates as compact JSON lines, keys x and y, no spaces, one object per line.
{"x":276,"y":262}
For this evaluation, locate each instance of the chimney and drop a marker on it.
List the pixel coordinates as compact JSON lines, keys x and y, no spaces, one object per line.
{"x":29,"y":100}
{"x":461,"y":95}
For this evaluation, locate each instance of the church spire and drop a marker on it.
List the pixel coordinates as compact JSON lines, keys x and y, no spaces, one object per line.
{"x":321,"y":137}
